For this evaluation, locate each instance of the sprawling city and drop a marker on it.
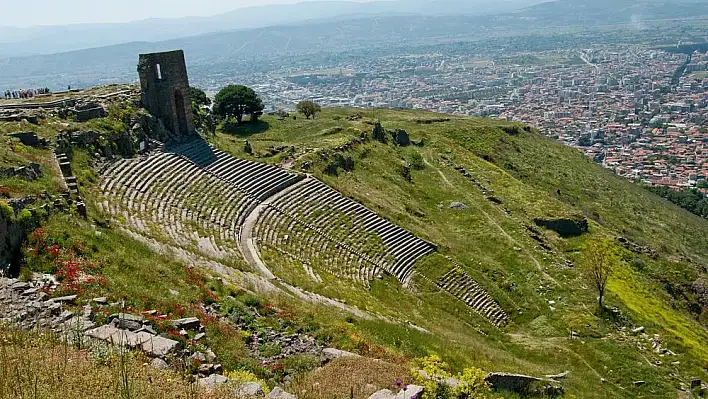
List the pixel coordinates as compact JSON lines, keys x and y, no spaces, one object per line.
{"x":624,"y":106}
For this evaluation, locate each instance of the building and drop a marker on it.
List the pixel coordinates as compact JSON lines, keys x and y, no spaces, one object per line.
{"x":164,"y":86}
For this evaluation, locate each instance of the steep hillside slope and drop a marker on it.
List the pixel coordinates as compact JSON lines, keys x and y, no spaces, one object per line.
{"x":509,"y":177}
{"x":470,"y":274}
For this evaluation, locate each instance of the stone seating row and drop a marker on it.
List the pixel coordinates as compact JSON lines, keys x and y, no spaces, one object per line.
{"x":323,"y":209}
{"x":198,"y":194}
{"x":256,"y":179}
{"x":465,"y":288}
{"x":288,"y":236}
{"x":166,"y":192}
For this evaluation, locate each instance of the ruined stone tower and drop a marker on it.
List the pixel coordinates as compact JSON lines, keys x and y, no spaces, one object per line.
{"x":165,"y":90}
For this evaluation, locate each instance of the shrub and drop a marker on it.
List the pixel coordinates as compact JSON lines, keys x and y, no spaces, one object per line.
{"x":6,"y":211}
{"x":252,"y":301}
{"x":25,"y":275}
{"x":339,"y":162}
{"x":472,"y":384}
{"x":301,"y":363}
{"x":25,"y":217}
{"x":270,"y":349}
{"x":415,"y":160}
{"x":241,"y":376}
{"x":406,"y":173}
{"x":234,"y":309}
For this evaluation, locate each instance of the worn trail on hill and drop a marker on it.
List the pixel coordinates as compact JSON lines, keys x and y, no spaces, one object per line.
{"x":493,"y":223}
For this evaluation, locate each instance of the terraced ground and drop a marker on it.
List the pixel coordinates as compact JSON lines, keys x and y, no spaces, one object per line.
{"x":464,"y":288}
{"x":167,"y":196}
{"x":199,"y":198}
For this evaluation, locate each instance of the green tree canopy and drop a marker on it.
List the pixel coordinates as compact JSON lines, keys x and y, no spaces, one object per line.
{"x":198,"y":96}
{"x":308,"y":108}
{"x":236,"y":101}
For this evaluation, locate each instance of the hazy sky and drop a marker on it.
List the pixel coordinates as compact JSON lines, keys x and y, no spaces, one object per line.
{"x":61,"y":12}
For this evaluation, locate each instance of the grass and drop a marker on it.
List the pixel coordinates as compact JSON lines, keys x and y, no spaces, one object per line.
{"x":36,"y":365}
{"x":350,"y":378}
{"x":14,"y":154}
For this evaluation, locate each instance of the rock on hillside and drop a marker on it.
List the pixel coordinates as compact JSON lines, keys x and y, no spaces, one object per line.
{"x":565,"y":227}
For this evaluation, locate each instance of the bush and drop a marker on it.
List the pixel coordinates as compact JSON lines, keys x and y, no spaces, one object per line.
{"x":301,"y":363}
{"x":6,"y":211}
{"x":415,"y":161}
{"x":26,"y":275}
{"x":406,"y":173}
{"x":25,"y":218}
{"x":252,"y":301}
{"x":339,"y":162}
{"x":270,"y":349}
{"x":472,"y":384}
{"x":240,"y":377}
{"x":235,"y":309}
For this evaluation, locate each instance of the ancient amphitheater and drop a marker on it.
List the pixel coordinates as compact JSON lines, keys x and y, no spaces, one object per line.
{"x":192,"y":192}
{"x":195,"y":195}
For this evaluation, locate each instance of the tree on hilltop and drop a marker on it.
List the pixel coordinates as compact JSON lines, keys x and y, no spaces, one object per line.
{"x":600,"y":260}
{"x":202,"y":116}
{"x":308,"y":108}
{"x":198,"y":96}
{"x":235,"y":101}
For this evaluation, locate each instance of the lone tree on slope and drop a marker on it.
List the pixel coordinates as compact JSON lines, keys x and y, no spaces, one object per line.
{"x":308,"y":108}
{"x":598,"y":265}
{"x":236,"y":101}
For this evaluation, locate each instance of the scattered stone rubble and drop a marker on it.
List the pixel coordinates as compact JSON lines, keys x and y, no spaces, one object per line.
{"x":518,"y":383}
{"x":486,"y":191}
{"x":30,"y":172}
{"x":31,"y":139}
{"x":289,"y":344}
{"x":525,"y":384}
{"x":27,"y":305}
{"x":83,"y":107}
{"x":636,"y":248}
{"x":408,"y":392}
{"x":459,"y":206}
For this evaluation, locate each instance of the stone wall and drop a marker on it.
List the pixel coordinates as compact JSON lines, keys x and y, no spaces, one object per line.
{"x":165,"y":90}
{"x":11,"y":236}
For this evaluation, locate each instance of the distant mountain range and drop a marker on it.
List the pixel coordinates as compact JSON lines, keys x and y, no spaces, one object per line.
{"x":597,"y":12}
{"x":57,"y":39}
{"x":267,"y":48}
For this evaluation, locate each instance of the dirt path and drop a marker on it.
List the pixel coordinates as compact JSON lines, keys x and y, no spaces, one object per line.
{"x":251,"y":281}
{"x":247,"y":243}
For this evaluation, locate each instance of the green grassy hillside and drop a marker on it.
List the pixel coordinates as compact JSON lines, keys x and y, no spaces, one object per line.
{"x":529,"y":177}
{"x":507,"y":176}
